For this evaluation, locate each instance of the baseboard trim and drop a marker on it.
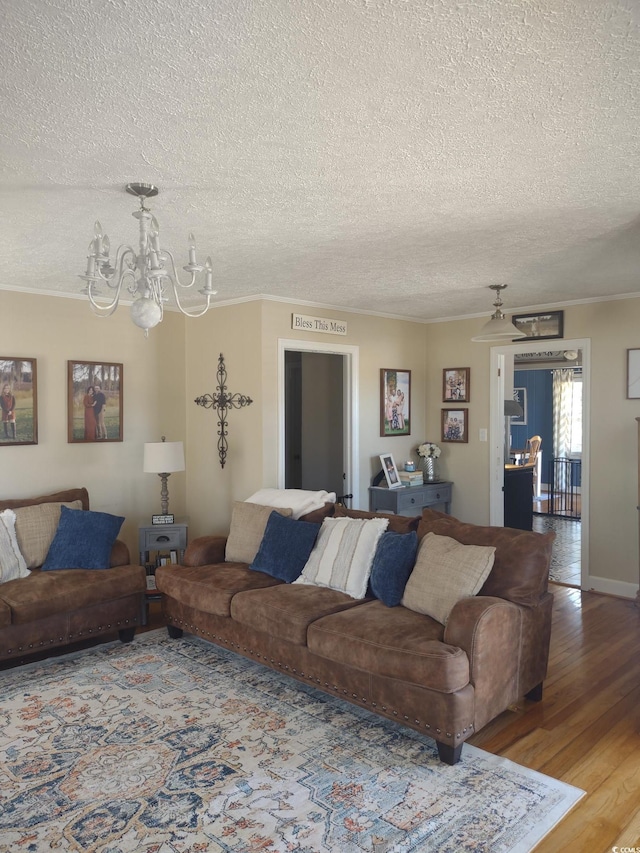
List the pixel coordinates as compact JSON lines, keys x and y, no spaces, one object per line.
{"x":620,"y":589}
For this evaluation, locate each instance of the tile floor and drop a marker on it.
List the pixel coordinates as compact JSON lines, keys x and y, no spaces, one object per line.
{"x":565,"y":559}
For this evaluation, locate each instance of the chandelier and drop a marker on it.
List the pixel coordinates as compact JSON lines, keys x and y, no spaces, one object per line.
{"x":149,"y":275}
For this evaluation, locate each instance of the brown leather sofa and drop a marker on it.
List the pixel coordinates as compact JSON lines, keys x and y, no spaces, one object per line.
{"x":444,"y":681}
{"x":54,"y":608}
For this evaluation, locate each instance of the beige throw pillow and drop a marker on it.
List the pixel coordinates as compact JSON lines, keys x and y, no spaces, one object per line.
{"x":445,"y":571}
{"x":343,"y":554}
{"x":35,"y":528}
{"x":248,"y":522}
{"x":12,"y":564}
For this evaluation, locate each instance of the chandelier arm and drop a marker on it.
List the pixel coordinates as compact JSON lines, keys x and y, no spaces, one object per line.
{"x":115,"y":279}
{"x":106,"y":310}
{"x":166,"y":255}
{"x":184,"y":311}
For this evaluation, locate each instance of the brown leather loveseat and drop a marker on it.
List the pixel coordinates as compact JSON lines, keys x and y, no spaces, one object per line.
{"x":446,"y":681}
{"x":48,"y":609}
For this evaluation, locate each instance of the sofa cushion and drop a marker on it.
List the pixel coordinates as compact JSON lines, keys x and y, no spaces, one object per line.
{"x":393,"y":562}
{"x":343,"y":554}
{"x":285,"y":547}
{"x":445,"y":572}
{"x":248,"y":523}
{"x":391,"y":642}
{"x":5,"y":614}
{"x":44,"y":594}
{"x":397,"y":523}
{"x":520,"y":570}
{"x":286,"y":611}
{"x":210,"y":588}
{"x":12,"y":564}
{"x":36,"y":526}
{"x":83,"y":540}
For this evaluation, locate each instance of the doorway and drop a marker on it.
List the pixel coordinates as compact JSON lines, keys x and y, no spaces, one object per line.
{"x":502,"y":383}
{"x":317,"y":414}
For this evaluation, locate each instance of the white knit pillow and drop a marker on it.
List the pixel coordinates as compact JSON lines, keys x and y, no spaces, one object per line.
{"x":12,"y":564}
{"x":343,"y":554}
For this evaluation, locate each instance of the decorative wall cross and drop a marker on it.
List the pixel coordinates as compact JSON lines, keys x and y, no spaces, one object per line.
{"x":222,"y":401}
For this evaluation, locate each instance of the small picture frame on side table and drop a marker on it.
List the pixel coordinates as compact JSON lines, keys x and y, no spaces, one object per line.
{"x":390,"y":471}
{"x":455,"y":426}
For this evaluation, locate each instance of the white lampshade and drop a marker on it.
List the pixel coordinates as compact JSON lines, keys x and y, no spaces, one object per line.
{"x":498,"y":329}
{"x":163,"y":457}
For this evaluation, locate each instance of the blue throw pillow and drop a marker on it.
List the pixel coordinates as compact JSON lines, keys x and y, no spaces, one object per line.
{"x":83,"y":540}
{"x":393,"y":562}
{"x":285,"y":547}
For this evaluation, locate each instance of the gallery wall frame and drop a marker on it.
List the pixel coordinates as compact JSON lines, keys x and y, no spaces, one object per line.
{"x":18,"y":400}
{"x":541,"y":327}
{"x":455,"y":425}
{"x":456,"y":385}
{"x":94,"y":401}
{"x":395,"y":402}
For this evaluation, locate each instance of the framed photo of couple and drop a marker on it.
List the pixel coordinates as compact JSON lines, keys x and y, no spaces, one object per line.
{"x":94,"y":401}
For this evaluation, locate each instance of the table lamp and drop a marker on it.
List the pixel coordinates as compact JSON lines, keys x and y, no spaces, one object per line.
{"x":163,"y":458}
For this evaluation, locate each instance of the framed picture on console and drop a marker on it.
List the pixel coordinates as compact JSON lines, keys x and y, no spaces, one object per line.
{"x":18,"y":400}
{"x":390,"y":471}
{"x":94,"y":401}
{"x":395,"y":402}
{"x":455,"y":425}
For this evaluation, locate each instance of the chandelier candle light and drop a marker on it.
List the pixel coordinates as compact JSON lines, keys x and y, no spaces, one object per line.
{"x":149,"y":274}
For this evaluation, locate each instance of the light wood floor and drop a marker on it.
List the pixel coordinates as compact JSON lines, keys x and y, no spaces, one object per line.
{"x":586,"y":730}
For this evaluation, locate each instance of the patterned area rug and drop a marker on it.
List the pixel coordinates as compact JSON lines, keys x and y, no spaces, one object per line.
{"x":176,"y":746}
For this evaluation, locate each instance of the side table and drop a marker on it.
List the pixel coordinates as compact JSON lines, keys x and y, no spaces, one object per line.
{"x":410,"y":500}
{"x":158,"y":538}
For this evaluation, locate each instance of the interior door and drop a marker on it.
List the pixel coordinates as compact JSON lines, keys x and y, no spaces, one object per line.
{"x":314,"y":421}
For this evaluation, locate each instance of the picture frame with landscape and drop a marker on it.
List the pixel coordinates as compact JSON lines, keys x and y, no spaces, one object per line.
{"x":94,"y":401}
{"x":18,"y":400}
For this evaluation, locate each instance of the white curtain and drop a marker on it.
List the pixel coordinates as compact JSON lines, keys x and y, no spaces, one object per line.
{"x":562,"y":421}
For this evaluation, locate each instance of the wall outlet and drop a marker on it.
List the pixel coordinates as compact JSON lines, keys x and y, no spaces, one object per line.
{"x":483,"y":435}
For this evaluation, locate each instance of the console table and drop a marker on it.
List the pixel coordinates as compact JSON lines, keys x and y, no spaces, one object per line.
{"x":410,"y":500}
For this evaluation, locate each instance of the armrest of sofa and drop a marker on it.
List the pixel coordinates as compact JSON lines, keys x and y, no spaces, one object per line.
{"x":489,"y":629}
{"x":205,"y":550}
{"x":119,"y":554}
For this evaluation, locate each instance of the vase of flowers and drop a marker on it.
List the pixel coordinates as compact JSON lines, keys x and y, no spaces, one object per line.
{"x":429,"y":452}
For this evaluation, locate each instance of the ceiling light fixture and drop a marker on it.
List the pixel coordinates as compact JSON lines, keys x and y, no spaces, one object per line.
{"x":499,"y":327}
{"x":149,"y":274}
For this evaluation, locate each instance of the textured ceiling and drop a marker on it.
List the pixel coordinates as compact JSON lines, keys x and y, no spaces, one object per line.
{"x":397,"y":156}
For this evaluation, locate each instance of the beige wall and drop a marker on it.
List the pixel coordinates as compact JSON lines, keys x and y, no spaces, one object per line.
{"x":177,"y":363}
{"x":612,"y":328}
{"x":248,"y":335}
{"x":54,"y":330}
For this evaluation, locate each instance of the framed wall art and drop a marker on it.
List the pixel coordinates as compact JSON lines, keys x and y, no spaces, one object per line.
{"x":18,"y":400}
{"x":395,"y":402}
{"x":390,"y":471}
{"x":455,"y":384}
{"x":94,"y":401}
{"x":455,"y":425}
{"x":540,"y":326}
{"x":520,"y":396}
{"x":633,"y":374}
